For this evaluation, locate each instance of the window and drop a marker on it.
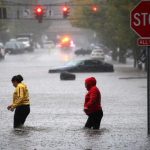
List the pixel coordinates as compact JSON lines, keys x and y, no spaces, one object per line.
{"x":91,"y":62}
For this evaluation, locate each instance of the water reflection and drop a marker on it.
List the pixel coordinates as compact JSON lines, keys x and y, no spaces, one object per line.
{"x":28,"y":129}
{"x":91,"y":137}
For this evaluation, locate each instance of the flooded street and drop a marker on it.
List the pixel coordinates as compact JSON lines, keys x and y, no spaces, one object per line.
{"x":57,"y":118}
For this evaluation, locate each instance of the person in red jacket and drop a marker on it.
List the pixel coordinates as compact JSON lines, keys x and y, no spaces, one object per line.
{"x":92,"y":105}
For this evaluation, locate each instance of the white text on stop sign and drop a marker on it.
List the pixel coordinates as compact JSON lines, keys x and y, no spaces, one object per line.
{"x":141,"y":19}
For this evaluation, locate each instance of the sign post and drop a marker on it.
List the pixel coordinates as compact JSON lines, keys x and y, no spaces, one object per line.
{"x":148,"y":88}
{"x":140,"y":24}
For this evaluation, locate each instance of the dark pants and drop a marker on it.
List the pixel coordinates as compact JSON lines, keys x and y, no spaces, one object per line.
{"x":20,"y":115}
{"x":94,"y":120}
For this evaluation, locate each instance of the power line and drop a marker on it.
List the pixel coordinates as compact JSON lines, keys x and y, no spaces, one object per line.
{"x":9,"y":3}
{"x":58,"y":19}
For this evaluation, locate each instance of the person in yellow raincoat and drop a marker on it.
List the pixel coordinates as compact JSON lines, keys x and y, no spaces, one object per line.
{"x":21,"y":103}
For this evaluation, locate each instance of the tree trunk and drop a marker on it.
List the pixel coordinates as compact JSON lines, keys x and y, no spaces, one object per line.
{"x":134,"y":65}
{"x":140,"y":66}
{"x":122,"y":56}
{"x":114,"y":55}
{"x":135,"y":58}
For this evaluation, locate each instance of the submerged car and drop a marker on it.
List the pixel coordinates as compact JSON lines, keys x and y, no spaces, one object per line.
{"x":85,"y":65}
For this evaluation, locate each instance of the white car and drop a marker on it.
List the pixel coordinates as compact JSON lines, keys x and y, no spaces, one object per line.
{"x":25,"y":41}
{"x":98,"y":54}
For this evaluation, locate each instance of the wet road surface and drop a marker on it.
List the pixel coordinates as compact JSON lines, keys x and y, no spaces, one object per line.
{"x":56,"y":119}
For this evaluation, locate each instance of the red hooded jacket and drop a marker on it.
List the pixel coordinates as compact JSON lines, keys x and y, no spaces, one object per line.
{"x":93,"y":97}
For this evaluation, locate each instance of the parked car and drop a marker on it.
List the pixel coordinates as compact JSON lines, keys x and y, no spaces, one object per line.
{"x":84,"y":65}
{"x":98,"y":54}
{"x":49,"y":44}
{"x":14,"y":47}
{"x":82,"y":51}
{"x":13,"y":40}
{"x":25,"y":41}
{"x":2,"y":51}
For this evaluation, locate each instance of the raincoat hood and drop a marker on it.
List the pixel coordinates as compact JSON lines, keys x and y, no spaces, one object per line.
{"x":90,"y":82}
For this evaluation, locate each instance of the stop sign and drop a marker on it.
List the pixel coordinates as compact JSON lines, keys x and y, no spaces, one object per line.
{"x":140,"y":19}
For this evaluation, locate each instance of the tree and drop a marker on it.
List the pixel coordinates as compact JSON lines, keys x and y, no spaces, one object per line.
{"x":111,"y":23}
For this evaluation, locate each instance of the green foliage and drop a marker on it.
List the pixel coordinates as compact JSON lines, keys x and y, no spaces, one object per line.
{"x":112,"y":22}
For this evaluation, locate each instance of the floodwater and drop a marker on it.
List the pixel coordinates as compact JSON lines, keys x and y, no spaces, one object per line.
{"x":56,"y":120}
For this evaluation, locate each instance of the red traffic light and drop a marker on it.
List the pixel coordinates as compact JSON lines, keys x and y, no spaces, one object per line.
{"x":95,"y":8}
{"x":39,"y":10}
{"x":66,"y":11}
{"x":39,"y":13}
{"x":65,"y":8}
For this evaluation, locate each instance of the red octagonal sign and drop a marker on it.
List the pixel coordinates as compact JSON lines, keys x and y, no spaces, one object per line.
{"x":140,"y":19}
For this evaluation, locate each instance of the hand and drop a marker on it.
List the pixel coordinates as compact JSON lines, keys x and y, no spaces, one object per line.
{"x":85,"y":110}
{"x":11,"y":108}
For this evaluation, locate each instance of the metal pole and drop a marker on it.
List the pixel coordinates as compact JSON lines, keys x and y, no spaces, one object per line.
{"x":148,"y":88}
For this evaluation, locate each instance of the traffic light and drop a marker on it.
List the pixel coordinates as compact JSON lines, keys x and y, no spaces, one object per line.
{"x":39,"y":13}
{"x":66,"y":11}
{"x":95,"y":9}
